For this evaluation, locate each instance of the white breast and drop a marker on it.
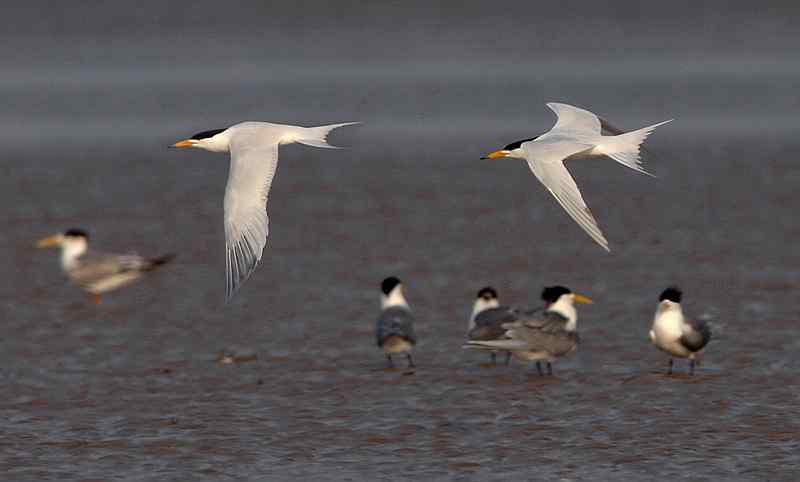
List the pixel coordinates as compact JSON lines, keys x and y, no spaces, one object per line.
{"x":667,"y":331}
{"x":667,"y":326}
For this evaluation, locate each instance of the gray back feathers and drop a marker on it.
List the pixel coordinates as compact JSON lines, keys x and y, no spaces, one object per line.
{"x":95,"y":268}
{"x":544,"y":330}
{"x":395,"y":321}
{"x":489,"y":323}
{"x":542,"y":319}
{"x":555,"y":343}
{"x":697,"y":337}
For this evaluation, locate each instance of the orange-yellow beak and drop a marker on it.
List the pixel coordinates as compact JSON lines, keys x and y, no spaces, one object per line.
{"x":496,"y":155}
{"x":186,"y":143}
{"x":50,"y":241}
{"x":582,"y":300}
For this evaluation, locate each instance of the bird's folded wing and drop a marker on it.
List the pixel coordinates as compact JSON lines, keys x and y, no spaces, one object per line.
{"x":557,"y":343}
{"x":93,"y":267}
{"x":546,"y":160}
{"x":254,"y":159}
{"x":495,"y":316}
{"x":696,"y":335}
{"x":395,"y":321}
{"x":546,"y":321}
{"x":491,"y":324}
{"x":574,"y":119}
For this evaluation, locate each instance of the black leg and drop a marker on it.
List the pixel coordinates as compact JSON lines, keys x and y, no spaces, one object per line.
{"x":691,"y":366}
{"x":410,"y":361}
{"x":669,"y":370}
{"x":549,"y":369}
{"x":494,"y":358}
{"x":539,"y":368}
{"x":389,"y":361}
{"x":508,"y":358}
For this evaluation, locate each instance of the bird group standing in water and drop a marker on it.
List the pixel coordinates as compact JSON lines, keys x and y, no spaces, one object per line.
{"x":539,"y":335}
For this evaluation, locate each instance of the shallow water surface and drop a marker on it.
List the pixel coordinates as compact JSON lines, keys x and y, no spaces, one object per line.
{"x":132,"y":389}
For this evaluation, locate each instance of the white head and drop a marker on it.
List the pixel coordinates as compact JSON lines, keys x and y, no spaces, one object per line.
{"x":392,"y":293}
{"x":513,"y":150}
{"x":216,"y":140}
{"x":487,"y":298}
{"x":562,"y":300}
{"x":73,"y":243}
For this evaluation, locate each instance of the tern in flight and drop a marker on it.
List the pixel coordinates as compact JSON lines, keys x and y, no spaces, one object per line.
{"x":96,"y":272}
{"x":254,"y":158}
{"x":578,"y":133}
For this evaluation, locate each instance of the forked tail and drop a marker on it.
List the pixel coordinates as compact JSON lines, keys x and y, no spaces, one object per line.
{"x":318,"y":136}
{"x":624,"y":148}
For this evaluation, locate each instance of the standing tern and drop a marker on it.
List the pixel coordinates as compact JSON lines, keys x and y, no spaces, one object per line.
{"x":254,"y":158}
{"x":96,"y":272}
{"x":394,"y":330}
{"x":674,"y":334}
{"x":543,"y":334}
{"x":488,"y":318}
{"x":577,"y":132}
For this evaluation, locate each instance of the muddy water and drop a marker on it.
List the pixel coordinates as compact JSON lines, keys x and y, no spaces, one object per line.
{"x":132,"y":389}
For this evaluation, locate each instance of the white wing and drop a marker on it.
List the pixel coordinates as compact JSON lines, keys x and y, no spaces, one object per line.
{"x":573,"y":119}
{"x":546,"y":160}
{"x":254,"y":159}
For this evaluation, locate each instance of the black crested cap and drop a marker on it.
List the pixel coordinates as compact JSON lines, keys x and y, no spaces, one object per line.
{"x":518,"y":144}
{"x":488,"y":293}
{"x":76,"y":233}
{"x":388,"y":284}
{"x":672,"y":294}
{"x":551,"y":294}
{"x":207,"y":134}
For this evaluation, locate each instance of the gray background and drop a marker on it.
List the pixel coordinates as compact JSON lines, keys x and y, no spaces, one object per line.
{"x":93,"y":92}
